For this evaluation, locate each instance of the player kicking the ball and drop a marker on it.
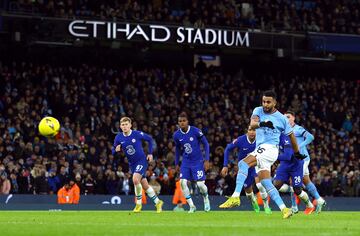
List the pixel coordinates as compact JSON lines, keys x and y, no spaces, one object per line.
{"x":269,"y":123}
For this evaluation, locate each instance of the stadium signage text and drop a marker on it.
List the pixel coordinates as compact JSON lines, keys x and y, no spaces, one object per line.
{"x":158,"y":33}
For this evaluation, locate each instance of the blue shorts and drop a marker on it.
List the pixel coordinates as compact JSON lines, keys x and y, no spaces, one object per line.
{"x":195,"y":172}
{"x":290,"y":170}
{"x":139,"y":167}
{"x":249,"y":181}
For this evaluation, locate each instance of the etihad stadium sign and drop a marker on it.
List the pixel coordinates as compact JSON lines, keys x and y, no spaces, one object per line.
{"x":158,"y":33}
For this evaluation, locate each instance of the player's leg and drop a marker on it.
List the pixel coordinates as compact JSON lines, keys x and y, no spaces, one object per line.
{"x":310,"y":186}
{"x":198,"y":173}
{"x":204,"y":192}
{"x":286,"y":188}
{"x":152,"y":195}
{"x":281,"y":177}
{"x":305,"y":199}
{"x":267,"y":155}
{"x":244,"y":166}
{"x":249,"y":190}
{"x":138,"y":191}
{"x":185,"y":175}
{"x":264,"y":195}
{"x":297,"y":183}
{"x":250,"y":195}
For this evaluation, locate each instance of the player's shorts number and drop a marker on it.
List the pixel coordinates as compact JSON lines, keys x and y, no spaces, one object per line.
{"x":200,"y":174}
{"x":139,"y":167}
{"x":297,"y":179}
{"x":260,"y":150}
{"x":188,"y":148}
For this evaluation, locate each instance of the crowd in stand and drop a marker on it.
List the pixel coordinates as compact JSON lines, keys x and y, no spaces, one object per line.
{"x":90,"y":100}
{"x":336,"y":16}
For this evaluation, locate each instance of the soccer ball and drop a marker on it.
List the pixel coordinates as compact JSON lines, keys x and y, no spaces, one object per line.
{"x":49,"y":126}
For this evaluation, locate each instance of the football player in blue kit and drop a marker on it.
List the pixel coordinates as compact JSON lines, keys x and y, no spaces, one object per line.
{"x":304,"y":138}
{"x":130,"y":142}
{"x":188,"y":140}
{"x":291,"y":167}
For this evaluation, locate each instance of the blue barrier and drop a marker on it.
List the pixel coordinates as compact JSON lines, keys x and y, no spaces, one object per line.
{"x":123,"y":202}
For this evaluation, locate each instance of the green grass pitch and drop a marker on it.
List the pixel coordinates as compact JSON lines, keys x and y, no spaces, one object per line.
{"x":76,"y":223}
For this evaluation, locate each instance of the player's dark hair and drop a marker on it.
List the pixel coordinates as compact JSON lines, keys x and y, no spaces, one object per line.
{"x":290,"y":112}
{"x":270,"y":93}
{"x":183,"y":115}
{"x":249,"y":128}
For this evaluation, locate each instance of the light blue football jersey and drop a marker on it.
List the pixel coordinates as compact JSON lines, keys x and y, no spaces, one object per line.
{"x":265,"y":135}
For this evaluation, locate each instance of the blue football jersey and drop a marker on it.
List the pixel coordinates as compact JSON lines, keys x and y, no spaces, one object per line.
{"x":300,"y":134}
{"x":290,"y":167}
{"x":243,"y":145}
{"x":132,"y":145}
{"x":265,"y":135}
{"x":188,"y":144}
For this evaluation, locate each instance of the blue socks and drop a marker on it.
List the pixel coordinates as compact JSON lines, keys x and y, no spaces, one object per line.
{"x":312,"y":190}
{"x":273,"y":192}
{"x":240,"y":178}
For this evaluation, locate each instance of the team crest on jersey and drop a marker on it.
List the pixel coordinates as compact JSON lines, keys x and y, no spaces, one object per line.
{"x":133,"y":140}
{"x":130,"y":150}
{"x":191,"y":139}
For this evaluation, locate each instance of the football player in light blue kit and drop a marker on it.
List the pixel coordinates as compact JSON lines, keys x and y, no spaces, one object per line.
{"x":269,"y":123}
{"x":304,"y":138}
{"x":188,"y":140}
{"x":130,"y":141}
{"x":245,"y":144}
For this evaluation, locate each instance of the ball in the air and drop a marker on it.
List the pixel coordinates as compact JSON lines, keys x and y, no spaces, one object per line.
{"x":49,"y":126}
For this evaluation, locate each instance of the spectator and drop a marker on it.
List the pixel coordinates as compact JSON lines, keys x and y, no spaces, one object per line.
{"x":66,"y":195}
{"x":53,"y":182}
{"x":75,"y":191}
{"x":5,"y":185}
{"x":40,"y":182}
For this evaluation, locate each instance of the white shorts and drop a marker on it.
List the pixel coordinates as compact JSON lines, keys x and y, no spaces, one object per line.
{"x":306,"y":167}
{"x":266,"y":155}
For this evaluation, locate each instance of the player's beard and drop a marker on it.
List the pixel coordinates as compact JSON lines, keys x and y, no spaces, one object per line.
{"x":269,"y":110}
